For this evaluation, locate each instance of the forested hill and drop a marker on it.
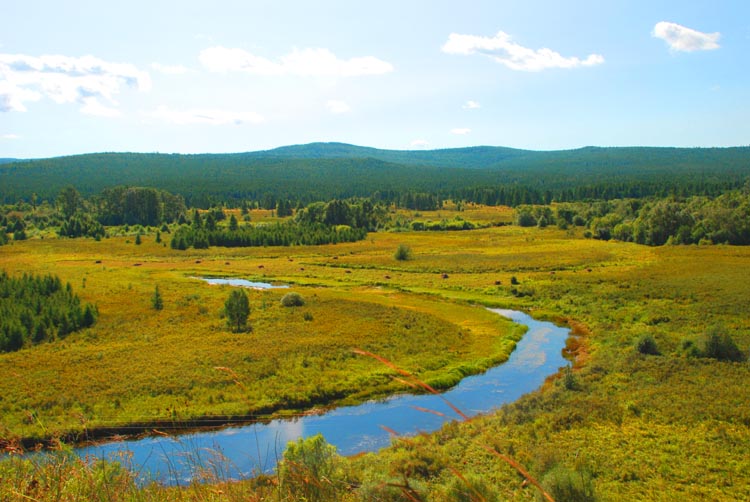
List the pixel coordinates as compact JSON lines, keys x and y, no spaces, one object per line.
{"x":321,"y":171}
{"x":591,"y":159}
{"x":477,"y":157}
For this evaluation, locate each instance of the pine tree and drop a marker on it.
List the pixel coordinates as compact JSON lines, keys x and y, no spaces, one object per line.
{"x":237,"y":310}
{"x":156,"y":301}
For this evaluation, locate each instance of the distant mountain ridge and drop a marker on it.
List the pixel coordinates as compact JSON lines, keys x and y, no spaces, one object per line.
{"x":472,"y":157}
{"x":321,"y":171}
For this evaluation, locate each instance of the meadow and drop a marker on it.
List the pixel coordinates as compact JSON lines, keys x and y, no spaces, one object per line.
{"x":622,"y":425}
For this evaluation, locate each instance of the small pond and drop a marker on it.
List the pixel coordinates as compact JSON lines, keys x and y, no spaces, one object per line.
{"x":241,"y":283}
{"x":239,"y":452}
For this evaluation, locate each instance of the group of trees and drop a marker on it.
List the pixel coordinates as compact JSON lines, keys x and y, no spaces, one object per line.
{"x":13,"y":226}
{"x":720,"y":220}
{"x":137,"y":206}
{"x":118,"y":205}
{"x":275,"y":234}
{"x":34,"y":309}
{"x":355,"y":213}
{"x":318,"y":223}
{"x":81,"y":225}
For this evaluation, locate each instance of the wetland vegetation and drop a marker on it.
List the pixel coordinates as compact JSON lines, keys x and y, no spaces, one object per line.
{"x":653,"y":406}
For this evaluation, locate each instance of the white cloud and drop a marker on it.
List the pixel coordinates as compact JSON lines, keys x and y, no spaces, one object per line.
{"x":64,"y":79}
{"x":516,"y":57}
{"x":169,"y":69}
{"x":10,"y":136}
{"x":335,"y":106}
{"x":300,"y":62}
{"x":207,"y":116}
{"x":92,"y":106}
{"x":471,"y":105}
{"x":680,"y":38}
{"x":12,"y":97}
{"x":462,"y":131}
{"x":420,"y":143}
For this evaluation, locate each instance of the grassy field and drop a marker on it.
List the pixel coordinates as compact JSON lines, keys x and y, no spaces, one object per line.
{"x":624,"y":425}
{"x":138,"y":365}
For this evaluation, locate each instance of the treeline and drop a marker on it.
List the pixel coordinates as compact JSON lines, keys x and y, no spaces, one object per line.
{"x":276,"y":234}
{"x":517,"y":195}
{"x":487,"y":175}
{"x":693,"y":220}
{"x":118,"y":205}
{"x":319,"y":223}
{"x":35,"y":309}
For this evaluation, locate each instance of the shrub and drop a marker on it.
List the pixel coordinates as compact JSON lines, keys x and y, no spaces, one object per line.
{"x":292,"y":300}
{"x":310,"y":470}
{"x":647,"y":345}
{"x":569,"y":381}
{"x":690,"y":349}
{"x":403,"y":253}
{"x":570,"y":486}
{"x":525,"y":219}
{"x":470,"y":488}
{"x":720,"y":346}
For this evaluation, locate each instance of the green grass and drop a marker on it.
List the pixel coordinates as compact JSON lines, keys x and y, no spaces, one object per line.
{"x":636,"y":427}
{"x":140,"y":366}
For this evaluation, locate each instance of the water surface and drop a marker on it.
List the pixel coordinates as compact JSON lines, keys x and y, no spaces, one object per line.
{"x":238,"y":452}
{"x":241,"y":283}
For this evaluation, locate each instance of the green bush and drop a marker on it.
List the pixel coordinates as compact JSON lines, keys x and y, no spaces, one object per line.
{"x":310,"y":470}
{"x":569,"y":380}
{"x":292,"y":300}
{"x":403,"y":253}
{"x":720,"y":346}
{"x":569,"y":486}
{"x":647,"y":345}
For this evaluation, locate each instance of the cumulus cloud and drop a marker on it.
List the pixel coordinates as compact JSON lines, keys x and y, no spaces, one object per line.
{"x":420,"y":143}
{"x":335,"y":106}
{"x":85,"y":80}
{"x":92,"y":106}
{"x":471,"y":105}
{"x":13,"y":97}
{"x":300,"y":62}
{"x":207,"y":116}
{"x":503,"y":50}
{"x":169,"y":69}
{"x":682,"y":39}
{"x":461,"y":131}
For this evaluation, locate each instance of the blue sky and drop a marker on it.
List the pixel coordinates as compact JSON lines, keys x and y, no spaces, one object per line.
{"x":231,"y":76}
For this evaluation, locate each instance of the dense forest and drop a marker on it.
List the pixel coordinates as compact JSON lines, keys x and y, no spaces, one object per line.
{"x":325,"y":171}
{"x":35,"y":309}
{"x":694,"y":220}
{"x":336,"y":192}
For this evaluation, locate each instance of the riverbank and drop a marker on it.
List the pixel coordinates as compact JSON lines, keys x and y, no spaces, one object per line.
{"x":138,"y":369}
{"x":623,"y":422}
{"x":351,"y":429}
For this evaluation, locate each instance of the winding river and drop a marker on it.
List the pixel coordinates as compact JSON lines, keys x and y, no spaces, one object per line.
{"x":239,"y":452}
